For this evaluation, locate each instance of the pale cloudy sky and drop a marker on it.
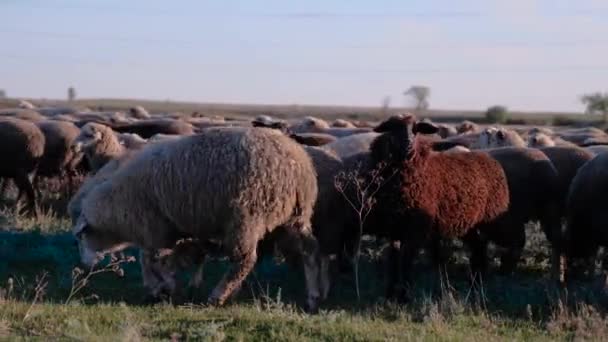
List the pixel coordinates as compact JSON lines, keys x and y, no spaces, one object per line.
{"x":526,"y":54}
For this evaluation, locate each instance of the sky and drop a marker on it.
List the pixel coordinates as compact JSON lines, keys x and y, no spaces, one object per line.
{"x":524,"y":54}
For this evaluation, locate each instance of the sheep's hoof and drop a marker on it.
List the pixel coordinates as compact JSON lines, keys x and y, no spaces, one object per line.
{"x":312,"y":305}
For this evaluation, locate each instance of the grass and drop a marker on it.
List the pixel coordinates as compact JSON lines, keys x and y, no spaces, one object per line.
{"x":37,"y":258}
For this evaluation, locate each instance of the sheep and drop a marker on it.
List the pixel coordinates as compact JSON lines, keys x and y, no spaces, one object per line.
{"x":597,"y":149}
{"x":131,"y":140}
{"x":314,"y":125}
{"x":446,"y":131}
{"x":24,"y":114}
{"x":579,"y":135}
{"x":148,"y":128}
{"x":139,"y":112}
{"x":313,"y":139}
{"x":234,"y":185}
{"x":59,"y":158}
{"x":22,"y":147}
{"x":438,"y":195}
{"x":587,"y":212}
{"x":26,"y":105}
{"x":341,"y":123}
{"x":534,"y":189}
{"x":310,"y":125}
{"x":543,"y":140}
{"x":99,"y":144}
{"x":351,"y":145}
{"x":467,"y":127}
{"x":498,"y":137}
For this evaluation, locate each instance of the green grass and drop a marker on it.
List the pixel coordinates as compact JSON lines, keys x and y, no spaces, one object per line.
{"x":37,"y":258}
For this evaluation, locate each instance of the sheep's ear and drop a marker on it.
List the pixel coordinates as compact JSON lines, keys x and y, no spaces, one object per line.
{"x":425,"y":128}
{"x":80,"y":226}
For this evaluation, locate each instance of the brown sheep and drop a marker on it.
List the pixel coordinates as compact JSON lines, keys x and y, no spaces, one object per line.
{"x":22,"y":147}
{"x":230,"y":185}
{"x":436,"y":195}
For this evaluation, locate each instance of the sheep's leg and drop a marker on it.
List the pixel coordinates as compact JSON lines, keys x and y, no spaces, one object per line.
{"x":479,"y":256}
{"x":233,"y":279}
{"x":508,"y":262}
{"x":325,"y":280}
{"x":392,"y":263}
{"x":24,"y":185}
{"x":4,"y":187}
{"x":409,"y":250}
{"x":440,"y":257}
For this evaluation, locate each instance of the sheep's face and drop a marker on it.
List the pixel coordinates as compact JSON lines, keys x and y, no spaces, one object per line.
{"x":93,"y":245}
{"x":487,"y":138}
{"x":89,"y":136}
{"x":540,"y":140}
{"x":397,"y":140}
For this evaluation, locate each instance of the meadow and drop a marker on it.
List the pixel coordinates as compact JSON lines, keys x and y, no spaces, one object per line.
{"x":41,"y":297}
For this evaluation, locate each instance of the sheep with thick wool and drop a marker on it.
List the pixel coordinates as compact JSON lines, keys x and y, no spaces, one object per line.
{"x":428,"y":196}
{"x":228,"y":185}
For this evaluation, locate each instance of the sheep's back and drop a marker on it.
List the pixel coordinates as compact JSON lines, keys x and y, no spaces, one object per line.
{"x":21,"y":145}
{"x":457,"y":191}
{"x":209,"y":184}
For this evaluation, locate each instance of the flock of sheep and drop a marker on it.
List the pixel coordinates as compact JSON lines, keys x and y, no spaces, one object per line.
{"x":181,"y":188}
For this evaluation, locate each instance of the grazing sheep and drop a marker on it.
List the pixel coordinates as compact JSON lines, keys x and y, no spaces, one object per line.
{"x":467,"y":127}
{"x":543,"y":140}
{"x":498,"y":137}
{"x":232,"y":185}
{"x":139,"y":112}
{"x":587,"y":213}
{"x":313,"y":139}
{"x":579,"y":135}
{"x":341,"y":123}
{"x":21,"y":147}
{"x":597,"y":149}
{"x":131,"y":140}
{"x":26,"y":105}
{"x":351,"y":145}
{"x":310,"y":125}
{"x":146,"y":129}
{"x":429,"y":196}
{"x":99,"y":144}
{"x":59,"y":159}
{"x":534,"y":188}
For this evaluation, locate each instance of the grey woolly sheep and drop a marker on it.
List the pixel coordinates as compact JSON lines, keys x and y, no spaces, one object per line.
{"x":131,"y":140}
{"x":139,"y":112}
{"x":59,"y":158}
{"x":466,"y":127}
{"x":21,"y":147}
{"x":310,"y":125}
{"x":342,"y":124}
{"x":99,"y":144}
{"x":493,"y":137}
{"x":233,"y":185}
{"x":351,"y":145}
{"x":543,"y":140}
{"x":313,"y":139}
{"x":23,"y":114}
{"x":26,"y":105}
{"x":579,"y":135}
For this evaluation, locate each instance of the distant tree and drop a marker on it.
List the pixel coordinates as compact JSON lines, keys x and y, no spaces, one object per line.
{"x":596,"y":103}
{"x":497,"y":114}
{"x":2,"y":94}
{"x":71,"y":94}
{"x":420,"y":96}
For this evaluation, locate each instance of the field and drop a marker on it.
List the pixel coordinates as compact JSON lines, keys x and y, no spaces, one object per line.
{"x":39,"y":298}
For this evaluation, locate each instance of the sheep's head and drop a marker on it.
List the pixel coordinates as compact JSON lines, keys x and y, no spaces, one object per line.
{"x":93,"y":244}
{"x":266,"y":121}
{"x":397,"y":139}
{"x":540,"y":140}
{"x":486,"y":139}
{"x":90,"y":135}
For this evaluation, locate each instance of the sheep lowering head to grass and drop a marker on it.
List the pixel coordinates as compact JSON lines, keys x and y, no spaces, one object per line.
{"x":429,"y":196}
{"x":232,"y":185}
